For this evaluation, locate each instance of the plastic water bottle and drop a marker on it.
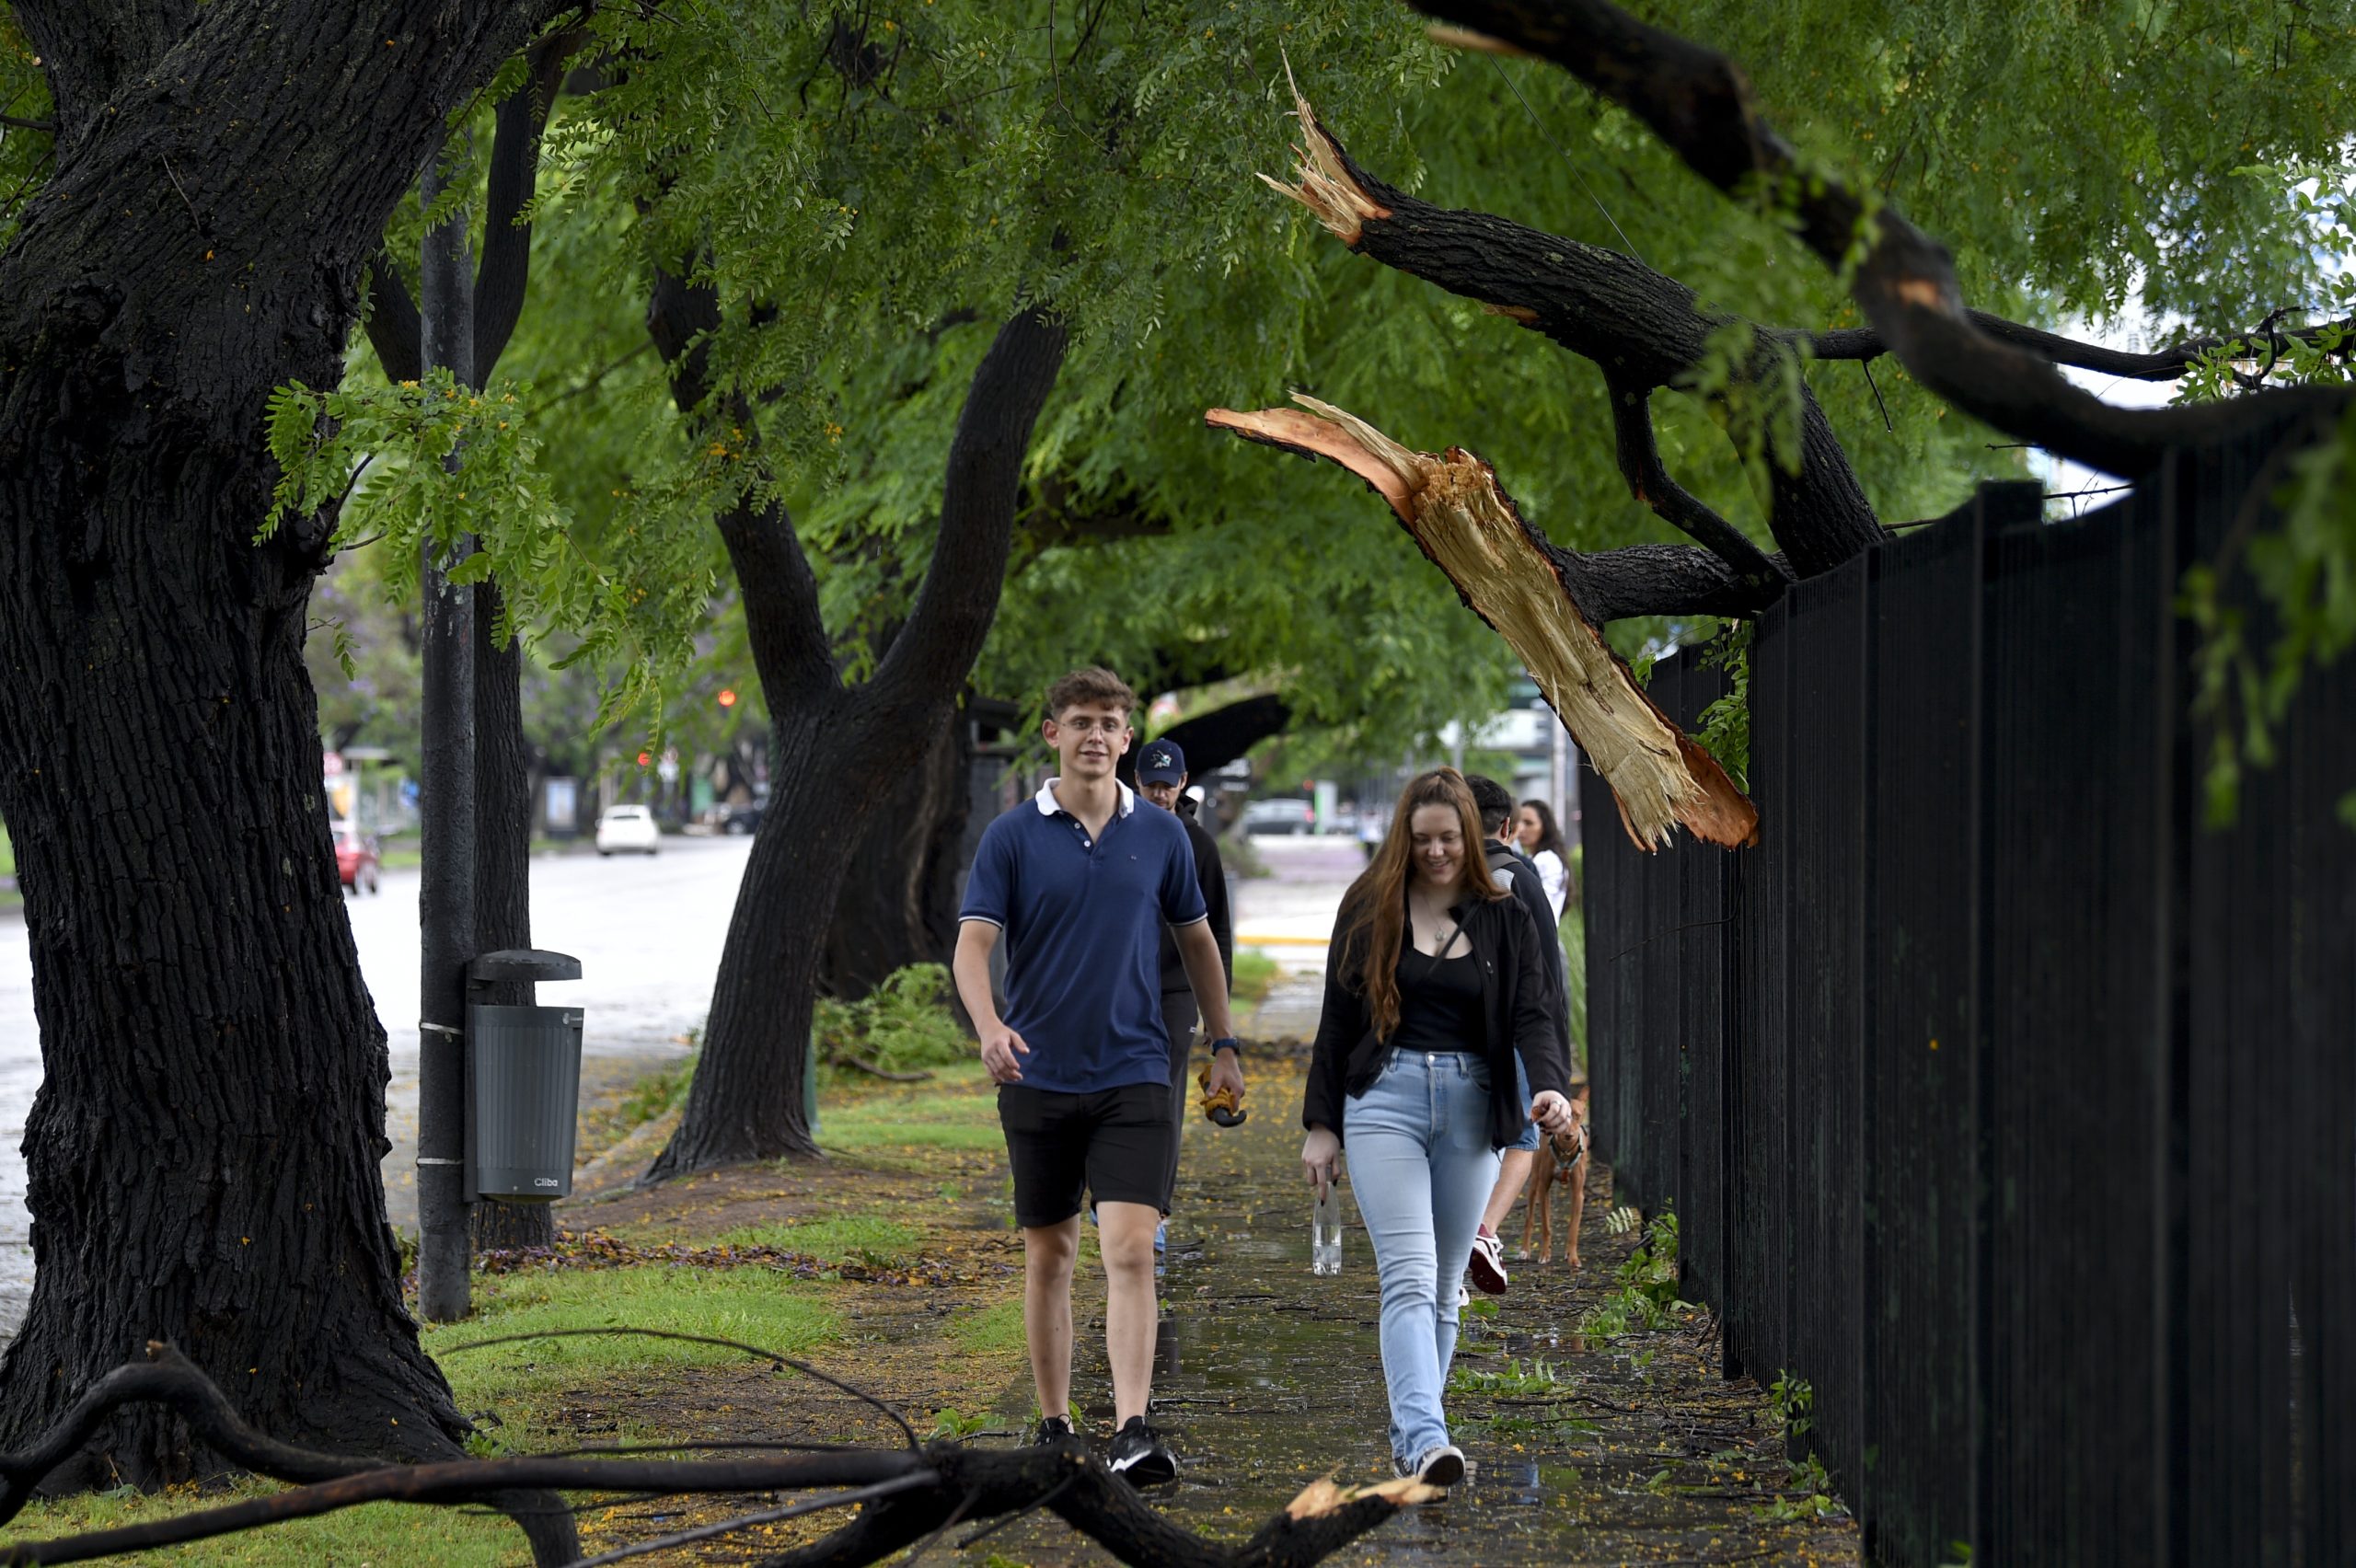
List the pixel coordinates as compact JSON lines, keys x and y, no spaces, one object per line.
{"x":1325,"y":1232}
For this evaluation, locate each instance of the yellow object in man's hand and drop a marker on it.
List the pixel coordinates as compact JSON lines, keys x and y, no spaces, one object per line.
{"x":1222,"y":1106}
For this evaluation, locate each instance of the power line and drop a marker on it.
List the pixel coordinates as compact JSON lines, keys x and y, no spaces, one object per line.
{"x":1540,"y":128}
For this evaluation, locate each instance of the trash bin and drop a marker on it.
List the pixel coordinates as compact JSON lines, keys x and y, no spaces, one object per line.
{"x":524,"y":1086}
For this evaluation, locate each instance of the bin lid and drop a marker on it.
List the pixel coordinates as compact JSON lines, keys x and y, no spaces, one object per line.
{"x":523,"y":963}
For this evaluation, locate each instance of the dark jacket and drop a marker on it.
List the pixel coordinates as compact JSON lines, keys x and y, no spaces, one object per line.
{"x":1508,"y":867}
{"x":1212,"y":876}
{"x":1347,"y":1057}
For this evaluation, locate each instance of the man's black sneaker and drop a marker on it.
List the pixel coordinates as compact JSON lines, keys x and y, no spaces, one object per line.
{"x":1051,"y":1429}
{"x":1140,"y":1456}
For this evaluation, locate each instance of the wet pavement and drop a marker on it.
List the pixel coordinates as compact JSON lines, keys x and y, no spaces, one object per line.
{"x":1628,"y":1451}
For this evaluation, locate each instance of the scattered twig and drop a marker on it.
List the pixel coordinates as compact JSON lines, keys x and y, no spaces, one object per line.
{"x":767,"y":1517}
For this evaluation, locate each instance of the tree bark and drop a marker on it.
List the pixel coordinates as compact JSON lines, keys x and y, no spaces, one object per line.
{"x":1641,"y":328}
{"x":833,"y":744}
{"x":1700,"y":104}
{"x":201,"y":1156}
{"x":1507,"y":573}
{"x":899,"y":897}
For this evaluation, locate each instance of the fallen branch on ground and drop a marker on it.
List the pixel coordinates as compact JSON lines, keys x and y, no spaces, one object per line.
{"x":903,"y":1495}
{"x":1509,"y":576}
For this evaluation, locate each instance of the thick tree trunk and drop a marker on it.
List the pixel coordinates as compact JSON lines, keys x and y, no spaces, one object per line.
{"x":899,"y":897}
{"x":202,"y":1152}
{"x":745,"y":1102}
{"x":835,"y":747}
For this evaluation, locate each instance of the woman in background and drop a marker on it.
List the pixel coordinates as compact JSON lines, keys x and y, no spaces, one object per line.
{"x":1433,"y":990}
{"x":1540,"y":839}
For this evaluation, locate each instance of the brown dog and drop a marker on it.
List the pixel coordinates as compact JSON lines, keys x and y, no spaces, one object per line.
{"x":1561,"y":1161}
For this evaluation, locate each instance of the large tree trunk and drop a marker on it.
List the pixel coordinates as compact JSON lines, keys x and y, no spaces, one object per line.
{"x":202,"y":1153}
{"x":899,"y":898}
{"x":835,"y":748}
{"x":745,"y":1100}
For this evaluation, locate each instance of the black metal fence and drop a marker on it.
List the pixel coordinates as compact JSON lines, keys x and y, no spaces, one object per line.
{"x":1999,"y":1096}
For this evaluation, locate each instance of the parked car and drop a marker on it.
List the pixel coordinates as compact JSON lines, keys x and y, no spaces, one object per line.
{"x":1280,"y":815}
{"x":628,"y":827}
{"x":737,"y":821}
{"x":359,"y":863}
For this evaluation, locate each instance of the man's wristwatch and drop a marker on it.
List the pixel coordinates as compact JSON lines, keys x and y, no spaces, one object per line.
{"x":1227,"y":1043}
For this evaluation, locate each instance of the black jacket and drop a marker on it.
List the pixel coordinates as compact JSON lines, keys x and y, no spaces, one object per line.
{"x":1213,"y":877}
{"x":1522,"y":877}
{"x":1347,"y":1057}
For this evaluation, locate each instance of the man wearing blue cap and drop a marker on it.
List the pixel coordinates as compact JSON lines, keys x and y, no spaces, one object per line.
{"x":1162,"y":778}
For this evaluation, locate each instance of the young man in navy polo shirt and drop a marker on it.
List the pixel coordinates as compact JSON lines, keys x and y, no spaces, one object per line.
{"x":1082,"y":881}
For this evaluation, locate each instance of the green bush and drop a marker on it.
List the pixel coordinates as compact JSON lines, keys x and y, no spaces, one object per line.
{"x":904,"y":1025}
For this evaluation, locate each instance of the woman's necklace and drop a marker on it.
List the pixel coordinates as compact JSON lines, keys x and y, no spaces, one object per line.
{"x":1424,"y":916}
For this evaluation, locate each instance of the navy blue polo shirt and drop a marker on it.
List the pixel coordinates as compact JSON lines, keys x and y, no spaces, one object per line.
{"x":1084,"y":925}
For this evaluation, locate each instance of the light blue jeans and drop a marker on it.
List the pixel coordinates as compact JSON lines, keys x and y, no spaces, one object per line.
{"x":1421,"y":1167}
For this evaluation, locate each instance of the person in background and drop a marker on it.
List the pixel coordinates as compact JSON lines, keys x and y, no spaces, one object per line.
{"x":1162,"y":778}
{"x":1435,"y":994}
{"x":1486,"y":1266}
{"x":1534,"y":830}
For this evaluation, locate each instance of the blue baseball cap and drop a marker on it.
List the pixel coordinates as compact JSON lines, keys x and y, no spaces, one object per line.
{"x":1163,"y":763}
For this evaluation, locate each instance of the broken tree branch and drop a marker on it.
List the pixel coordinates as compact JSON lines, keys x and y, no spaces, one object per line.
{"x":1508,"y":574}
{"x":1643,"y":329}
{"x":903,"y":1494}
{"x":1701,"y":104}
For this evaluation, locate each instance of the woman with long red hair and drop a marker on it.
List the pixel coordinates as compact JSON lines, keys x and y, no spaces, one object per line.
{"x":1432,"y":990}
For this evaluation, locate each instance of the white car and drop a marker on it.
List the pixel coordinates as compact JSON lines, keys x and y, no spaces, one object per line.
{"x":628,"y":827}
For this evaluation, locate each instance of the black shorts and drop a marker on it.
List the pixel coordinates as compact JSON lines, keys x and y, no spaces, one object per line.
{"x":1111,"y":1143}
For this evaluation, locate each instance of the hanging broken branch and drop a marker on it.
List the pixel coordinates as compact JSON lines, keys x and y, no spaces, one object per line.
{"x":1512,"y":578}
{"x":1701,"y":104}
{"x":1643,"y":329}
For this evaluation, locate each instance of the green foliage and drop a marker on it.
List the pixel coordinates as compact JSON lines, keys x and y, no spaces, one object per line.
{"x":1539,"y":1377}
{"x":2303,"y":565}
{"x":1724,"y":731}
{"x":1645,"y":1287}
{"x":434,"y":462}
{"x":903,"y":1025}
{"x":954,"y":1425}
{"x":1792,"y":1402}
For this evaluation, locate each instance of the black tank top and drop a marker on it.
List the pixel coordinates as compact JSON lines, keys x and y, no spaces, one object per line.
{"x":1440,"y":1003}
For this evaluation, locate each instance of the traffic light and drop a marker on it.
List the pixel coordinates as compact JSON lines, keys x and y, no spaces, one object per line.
{"x":644,"y":758}
{"x":727,"y":697}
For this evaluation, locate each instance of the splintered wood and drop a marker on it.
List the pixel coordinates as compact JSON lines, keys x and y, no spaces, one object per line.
{"x":1452,"y":507}
{"x":1327,"y":187}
